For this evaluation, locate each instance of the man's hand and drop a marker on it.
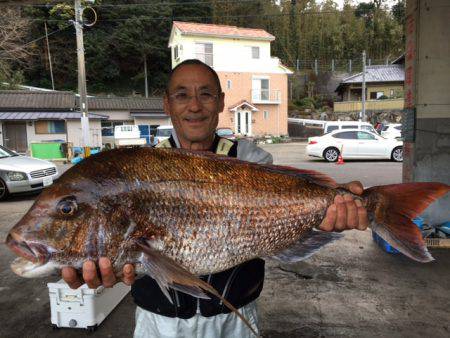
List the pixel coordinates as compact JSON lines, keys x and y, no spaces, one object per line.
{"x":108,"y":279}
{"x":346,"y":213}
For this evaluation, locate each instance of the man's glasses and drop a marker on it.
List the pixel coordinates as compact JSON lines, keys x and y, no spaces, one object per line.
{"x":204,"y":97}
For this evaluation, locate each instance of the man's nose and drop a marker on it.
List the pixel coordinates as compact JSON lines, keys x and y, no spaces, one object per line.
{"x":194,"y":103}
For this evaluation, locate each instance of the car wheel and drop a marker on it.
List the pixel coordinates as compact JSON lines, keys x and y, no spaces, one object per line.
{"x":331,"y":154}
{"x":3,"y":190}
{"x":397,"y":154}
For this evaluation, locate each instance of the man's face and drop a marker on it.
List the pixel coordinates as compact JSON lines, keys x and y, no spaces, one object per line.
{"x":194,"y":115}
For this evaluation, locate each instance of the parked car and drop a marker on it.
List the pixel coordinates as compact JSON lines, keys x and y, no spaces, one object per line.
{"x":128,"y":136}
{"x":163,"y":133}
{"x":226,"y":133}
{"x":354,"y":144}
{"x":339,"y":125}
{"x":392,"y":130}
{"x":22,"y":173}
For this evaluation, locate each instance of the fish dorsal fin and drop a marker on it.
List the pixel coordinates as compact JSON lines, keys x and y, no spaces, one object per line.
{"x":168,"y":273}
{"x":309,"y":175}
{"x":307,"y":246}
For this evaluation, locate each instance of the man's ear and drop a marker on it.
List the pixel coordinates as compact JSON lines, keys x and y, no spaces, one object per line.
{"x":166,"y":105}
{"x":221,"y":102}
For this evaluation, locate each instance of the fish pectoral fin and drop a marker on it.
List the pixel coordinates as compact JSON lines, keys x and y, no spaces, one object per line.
{"x":169,"y":273}
{"x":307,"y":246}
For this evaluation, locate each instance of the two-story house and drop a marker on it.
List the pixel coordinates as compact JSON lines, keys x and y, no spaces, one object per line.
{"x":384,"y":90}
{"x":255,"y":84}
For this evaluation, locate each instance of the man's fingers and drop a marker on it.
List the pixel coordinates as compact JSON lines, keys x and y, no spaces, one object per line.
{"x":341,"y":216}
{"x":363,"y":221}
{"x":329,"y":220}
{"x":90,"y":275}
{"x":128,"y":274}
{"x":352,"y":212}
{"x":71,"y":278}
{"x":354,"y":187}
{"x":107,"y":272}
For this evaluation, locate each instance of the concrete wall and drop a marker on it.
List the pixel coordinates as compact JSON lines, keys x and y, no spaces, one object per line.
{"x":427,"y":89}
{"x":74,"y":132}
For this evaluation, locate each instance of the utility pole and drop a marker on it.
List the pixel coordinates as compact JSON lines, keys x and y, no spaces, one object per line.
{"x":145,"y":75}
{"x":49,"y":56}
{"x":364,"y":86}
{"x":82,"y":91}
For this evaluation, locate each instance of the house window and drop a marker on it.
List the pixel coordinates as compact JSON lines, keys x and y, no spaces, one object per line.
{"x":266,"y":114}
{"x":204,"y":52}
{"x":260,"y":89}
{"x":376,"y":95}
{"x":108,"y":127}
{"x":175,"y":52}
{"x":255,"y":52}
{"x":228,"y":84}
{"x":50,"y":127}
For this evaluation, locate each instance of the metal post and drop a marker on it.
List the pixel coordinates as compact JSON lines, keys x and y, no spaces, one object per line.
{"x":82,"y":91}
{"x":363,"y":117}
{"x":350,"y":66}
{"x":370,"y":62}
{"x":298,"y":64}
{"x":315,"y":67}
{"x":332,"y":65}
{"x":49,"y":56}
{"x":145,"y":75}
{"x":387,"y":60}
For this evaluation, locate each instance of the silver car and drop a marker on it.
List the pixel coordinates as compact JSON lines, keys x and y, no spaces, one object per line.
{"x":22,"y":173}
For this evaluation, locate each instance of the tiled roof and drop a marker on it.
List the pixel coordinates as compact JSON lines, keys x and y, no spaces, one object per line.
{"x":153,"y":104}
{"x":222,"y":30}
{"x":16,"y":99}
{"x":379,"y":73}
{"x":241,"y":103}
{"x":47,"y":116}
{"x":60,"y":101}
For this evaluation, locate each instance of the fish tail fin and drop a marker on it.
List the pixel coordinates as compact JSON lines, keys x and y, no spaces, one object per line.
{"x":391,"y":210}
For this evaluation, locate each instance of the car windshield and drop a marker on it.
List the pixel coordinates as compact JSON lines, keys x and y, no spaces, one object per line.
{"x":224,"y":132}
{"x":163,"y":132}
{"x":6,"y":153}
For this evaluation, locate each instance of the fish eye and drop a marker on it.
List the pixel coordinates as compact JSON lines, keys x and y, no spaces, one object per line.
{"x":67,"y":207}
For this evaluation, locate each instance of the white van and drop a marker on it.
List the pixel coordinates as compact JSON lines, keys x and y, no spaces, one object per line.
{"x":163,"y":133}
{"x":128,"y":135}
{"x":337,"y":125}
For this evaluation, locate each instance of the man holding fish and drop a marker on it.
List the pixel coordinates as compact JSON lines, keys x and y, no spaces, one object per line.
{"x":193,"y":100}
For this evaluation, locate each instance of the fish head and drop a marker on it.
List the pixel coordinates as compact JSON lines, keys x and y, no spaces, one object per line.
{"x":53,"y":231}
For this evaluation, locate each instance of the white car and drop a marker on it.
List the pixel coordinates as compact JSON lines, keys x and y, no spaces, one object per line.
{"x":392,"y":130}
{"x":354,"y":144}
{"x":21,"y":173}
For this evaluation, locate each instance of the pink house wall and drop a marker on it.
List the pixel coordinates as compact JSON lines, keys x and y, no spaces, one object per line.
{"x":241,"y":86}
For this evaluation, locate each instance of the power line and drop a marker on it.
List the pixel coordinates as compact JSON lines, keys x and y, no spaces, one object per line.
{"x":35,"y":40}
{"x":183,"y":17}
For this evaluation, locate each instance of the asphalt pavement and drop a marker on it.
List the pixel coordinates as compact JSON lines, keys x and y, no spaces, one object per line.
{"x":351,"y":288}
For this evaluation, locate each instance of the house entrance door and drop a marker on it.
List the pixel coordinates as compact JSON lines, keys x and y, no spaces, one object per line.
{"x":243,"y":120}
{"x":15,"y":136}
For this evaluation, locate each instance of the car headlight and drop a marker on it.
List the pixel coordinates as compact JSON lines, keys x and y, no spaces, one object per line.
{"x":16,"y":176}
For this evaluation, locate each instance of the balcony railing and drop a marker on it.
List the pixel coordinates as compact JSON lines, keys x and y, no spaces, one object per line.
{"x":266,"y":96}
{"x":355,"y":106}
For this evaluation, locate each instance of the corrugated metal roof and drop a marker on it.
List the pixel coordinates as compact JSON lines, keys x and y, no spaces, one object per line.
{"x":151,"y":104}
{"x":222,"y":30}
{"x":16,"y":99}
{"x":379,"y":73}
{"x":32,"y":116}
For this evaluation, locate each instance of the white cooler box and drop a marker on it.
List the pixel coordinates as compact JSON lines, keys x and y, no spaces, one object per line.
{"x":83,"y":308}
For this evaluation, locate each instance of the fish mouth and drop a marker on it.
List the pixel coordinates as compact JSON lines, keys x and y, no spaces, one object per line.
{"x":33,"y":252}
